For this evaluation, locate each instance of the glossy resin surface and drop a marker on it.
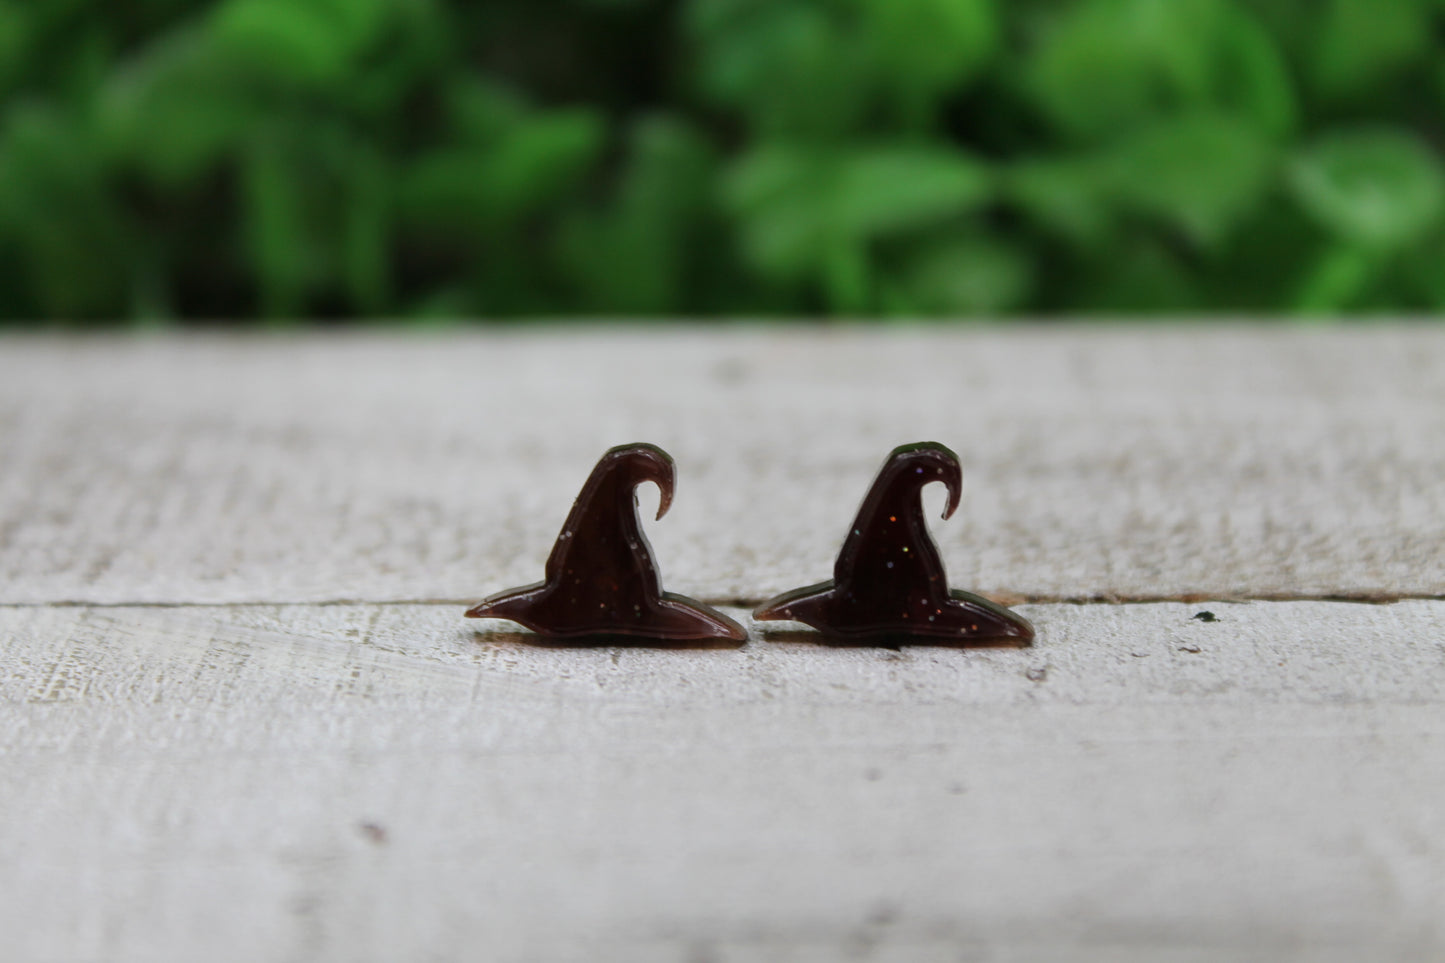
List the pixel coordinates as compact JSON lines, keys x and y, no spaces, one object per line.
{"x":601,"y":582}
{"x":889,"y":583}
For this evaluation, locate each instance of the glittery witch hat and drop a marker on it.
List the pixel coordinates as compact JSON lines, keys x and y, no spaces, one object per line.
{"x":601,"y":579}
{"x":889,"y":583}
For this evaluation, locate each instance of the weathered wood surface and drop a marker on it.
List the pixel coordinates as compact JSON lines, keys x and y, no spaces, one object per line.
{"x":1133,"y":462}
{"x":382,"y":782}
{"x":262,"y":778}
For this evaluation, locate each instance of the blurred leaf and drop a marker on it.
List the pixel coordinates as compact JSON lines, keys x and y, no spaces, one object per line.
{"x":969,"y":276}
{"x":789,"y":65}
{"x":1420,"y":269}
{"x":173,"y":111}
{"x":1202,"y":173}
{"x":358,"y":22}
{"x":541,"y":157}
{"x":15,"y":42}
{"x":276,"y":228}
{"x":780,"y":197}
{"x":1260,"y":268}
{"x":532,"y":163}
{"x":305,"y":42}
{"x":480,"y":111}
{"x":1294,"y":24}
{"x":1105,"y":65}
{"x":923,"y":48}
{"x":887,"y":189}
{"x":634,"y":256}
{"x":1361,"y":41}
{"x":367,"y":226}
{"x":818,"y":68}
{"x":1252,"y":75}
{"x":1337,"y":280}
{"x":1142,"y":277}
{"x":810,"y":215}
{"x":54,"y":207}
{"x":1066,"y":196}
{"x":1375,"y":188}
{"x":792,"y":201}
{"x":292,"y":40}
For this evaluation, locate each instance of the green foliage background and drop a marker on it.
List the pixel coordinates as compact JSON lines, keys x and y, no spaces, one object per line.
{"x":284,"y":159}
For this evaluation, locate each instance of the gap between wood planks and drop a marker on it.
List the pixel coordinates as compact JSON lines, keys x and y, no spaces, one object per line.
{"x":1003,"y":598}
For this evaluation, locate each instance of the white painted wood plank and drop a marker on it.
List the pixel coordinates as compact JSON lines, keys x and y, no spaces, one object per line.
{"x":360,"y":782}
{"x":1140,"y":462}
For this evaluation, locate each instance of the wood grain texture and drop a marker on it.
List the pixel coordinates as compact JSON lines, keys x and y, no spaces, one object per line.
{"x":381,"y":782}
{"x":1134,"y":462}
{"x":233,"y":772}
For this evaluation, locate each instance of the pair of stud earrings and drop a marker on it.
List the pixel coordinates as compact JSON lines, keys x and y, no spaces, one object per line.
{"x":888,"y":583}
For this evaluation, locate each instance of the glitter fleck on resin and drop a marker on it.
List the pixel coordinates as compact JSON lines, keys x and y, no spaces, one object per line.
{"x":889,"y":584}
{"x":601,"y":583}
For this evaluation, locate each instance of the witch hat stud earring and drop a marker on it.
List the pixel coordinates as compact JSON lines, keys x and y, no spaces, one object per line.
{"x":889,"y":583}
{"x":601,"y":580}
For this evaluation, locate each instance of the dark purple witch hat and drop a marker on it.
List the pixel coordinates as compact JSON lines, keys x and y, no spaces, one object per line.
{"x":601,"y":580}
{"x":889,"y":583}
